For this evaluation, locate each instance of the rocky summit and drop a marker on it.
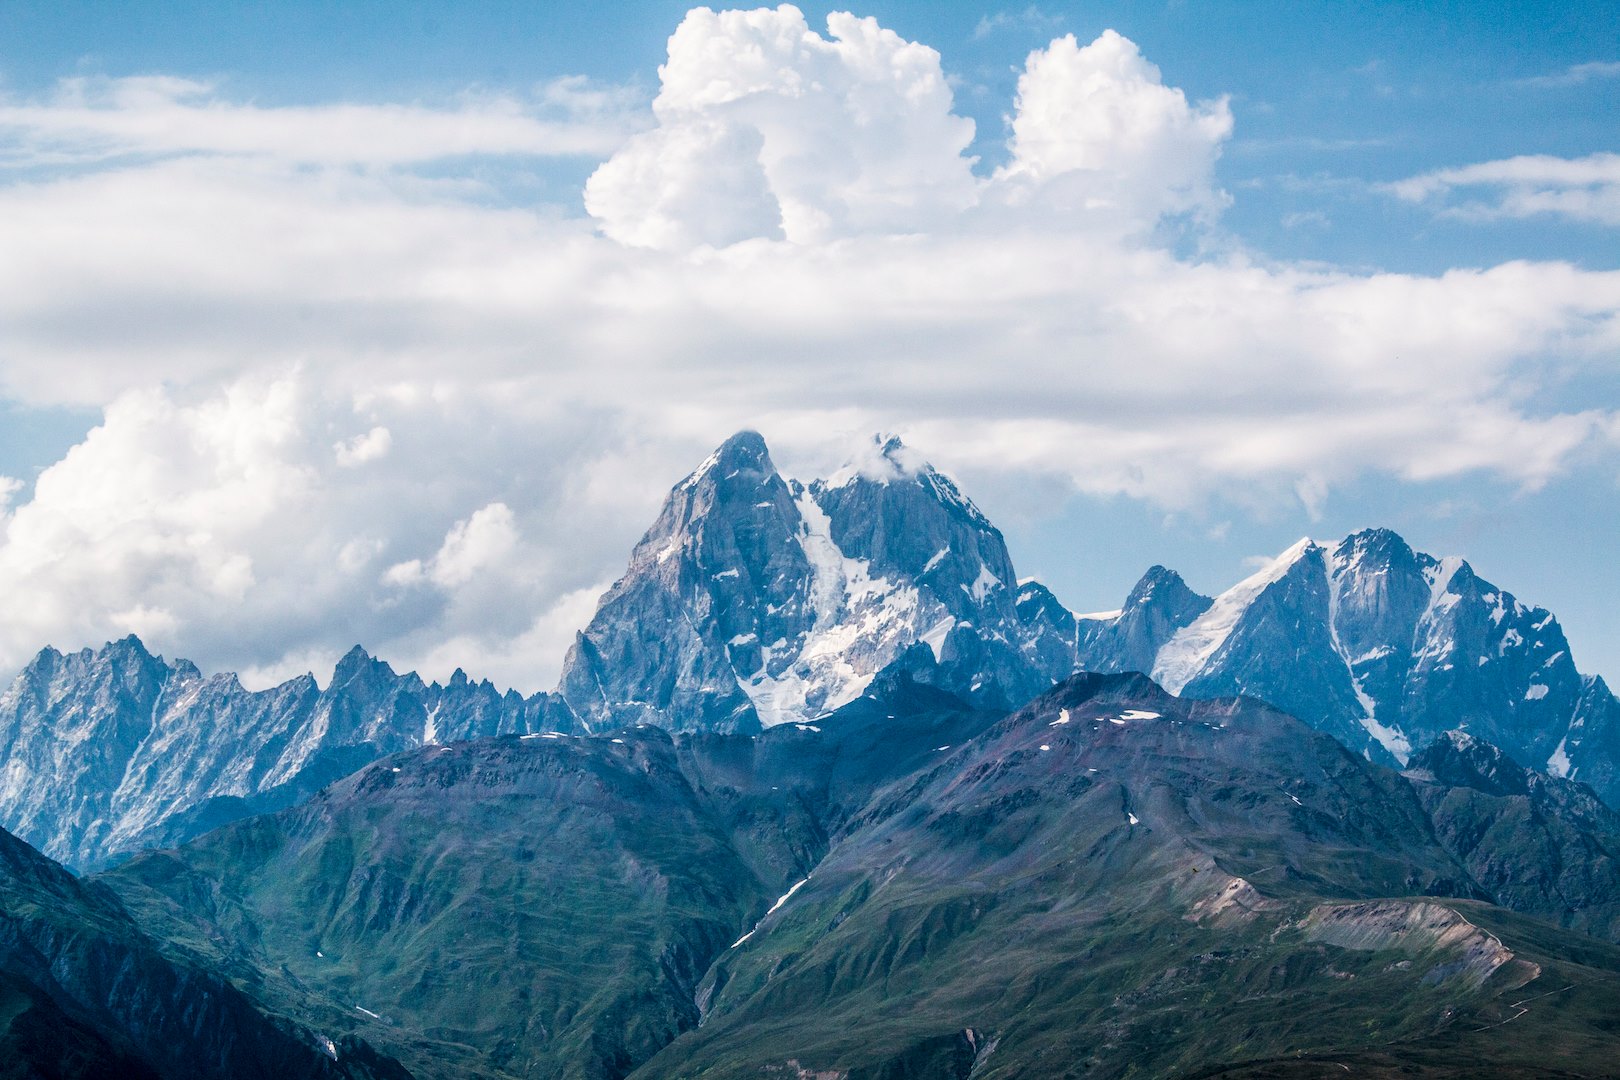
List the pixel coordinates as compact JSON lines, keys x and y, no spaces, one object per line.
{"x":1383,"y":647}
{"x":755,"y":600}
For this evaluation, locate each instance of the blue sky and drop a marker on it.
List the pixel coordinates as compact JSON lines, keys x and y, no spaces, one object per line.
{"x":198,"y":282}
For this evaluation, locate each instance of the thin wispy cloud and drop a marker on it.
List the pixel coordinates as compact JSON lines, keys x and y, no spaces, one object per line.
{"x":1315,"y":144}
{"x":1583,"y":189}
{"x":1030,"y":19}
{"x":1575,"y":75}
{"x":88,"y":120}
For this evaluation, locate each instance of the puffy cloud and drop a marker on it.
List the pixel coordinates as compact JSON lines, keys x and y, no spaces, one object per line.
{"x":680,"y":187}
{"x":356,"y":451}
{"x":1581,"y":189}
{"x":521,"y":390}
{"x":767,"y":129}
{"x":470,"y":546}
{"x":219,"y":526}
{"x":150,"y":513}
{"x":1098,"y":127}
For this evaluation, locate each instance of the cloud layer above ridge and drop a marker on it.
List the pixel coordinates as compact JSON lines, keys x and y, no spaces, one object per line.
{"x":349,"y":397}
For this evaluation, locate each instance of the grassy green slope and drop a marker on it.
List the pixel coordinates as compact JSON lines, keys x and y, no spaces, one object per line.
{"x":540,"y":906}
{"x":979,"y":902}
{"x":1004,"y":917}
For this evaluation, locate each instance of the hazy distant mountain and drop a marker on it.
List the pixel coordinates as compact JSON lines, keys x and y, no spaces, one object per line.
{"x":1384,"y":647}
{"x":109,"y":751}
{"x":756,"y":600}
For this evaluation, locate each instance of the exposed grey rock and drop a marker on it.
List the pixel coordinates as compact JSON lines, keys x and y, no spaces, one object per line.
{"x":1535,"y":843}
{"x":106,"y":752}
{"x":755,"y":600}
{"x":1382,"y":646}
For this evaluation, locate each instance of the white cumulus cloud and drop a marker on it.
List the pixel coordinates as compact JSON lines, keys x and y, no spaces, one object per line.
{"x":767,"y":129}
{"x":470,"y":546}
{"x":343,"y":401}
{"x":359,"y":449}
{"x":1099,"y":128}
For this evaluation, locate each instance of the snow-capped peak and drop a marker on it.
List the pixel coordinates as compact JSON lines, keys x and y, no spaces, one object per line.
{"x":882,"y":459}
{"x":1185,"y":654}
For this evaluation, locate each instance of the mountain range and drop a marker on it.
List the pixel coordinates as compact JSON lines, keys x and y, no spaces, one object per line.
{"x":755,"y":600}
{"x":826,"y":791}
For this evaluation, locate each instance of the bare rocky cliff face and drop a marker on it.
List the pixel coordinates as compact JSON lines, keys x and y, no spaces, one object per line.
{"x":106,"y":752}
{"x":1383,"y":647}
{"x":755,"y":600}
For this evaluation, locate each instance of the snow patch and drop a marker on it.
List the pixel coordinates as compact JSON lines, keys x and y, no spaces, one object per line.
{"x":1063,"y":718}
{"x":1392,"y":739}
{"x":1138,"y":714}
{"x":784,"y":898}
{"x":939,"y":557}
{"x":936,"y":635}
{"x":701,"y":471}
{"x":1536,"y":692}
{"x":983,"y":585}
{"x":1558,"y":764}
{"x":860,"y":623}
{"x":1185,"y":654}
